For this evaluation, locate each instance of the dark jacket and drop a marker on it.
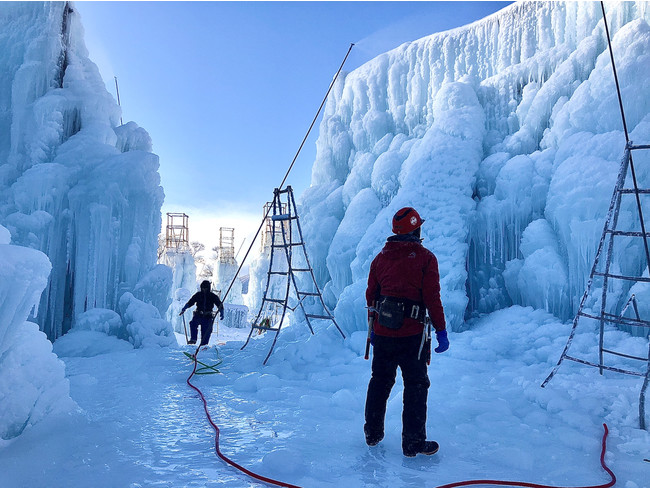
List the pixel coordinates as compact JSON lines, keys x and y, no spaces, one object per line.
{"x":406,"y":269}
{"x":205,"y":301}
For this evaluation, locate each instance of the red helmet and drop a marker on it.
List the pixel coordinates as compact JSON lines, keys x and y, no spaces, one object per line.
{"x":406,"y":220}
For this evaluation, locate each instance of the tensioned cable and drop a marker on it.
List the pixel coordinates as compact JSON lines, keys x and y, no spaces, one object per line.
{"x":194,"y":371}
{"x":627,"y":137}
{"x":289,"y":170}
{"x":618,"y":87}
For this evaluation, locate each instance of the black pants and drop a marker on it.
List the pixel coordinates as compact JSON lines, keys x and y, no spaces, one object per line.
{"x":388,"y":354}
{"x":205,"y":321}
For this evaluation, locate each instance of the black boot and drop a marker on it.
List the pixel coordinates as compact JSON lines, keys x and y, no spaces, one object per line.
{"x":373,"y":439}
{"x":428,"y":448}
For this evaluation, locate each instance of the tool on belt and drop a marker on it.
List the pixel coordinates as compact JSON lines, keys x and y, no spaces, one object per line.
{"x":426,"y":340}
{"x":371,"y":322}
{"x":392,"y":311}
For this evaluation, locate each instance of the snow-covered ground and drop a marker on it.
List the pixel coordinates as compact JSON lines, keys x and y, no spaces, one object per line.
{"x":506,"y":137}
{"x":299,"y":419}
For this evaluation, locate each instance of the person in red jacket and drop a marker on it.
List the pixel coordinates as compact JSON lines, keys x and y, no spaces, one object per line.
{"x":403,"y":284}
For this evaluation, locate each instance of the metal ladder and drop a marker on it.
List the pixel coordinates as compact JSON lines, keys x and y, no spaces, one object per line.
{"x":285,"y":216}
{"x":610,"y":233}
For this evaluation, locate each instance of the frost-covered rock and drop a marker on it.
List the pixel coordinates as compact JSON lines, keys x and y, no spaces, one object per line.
{"x":183,"y":269}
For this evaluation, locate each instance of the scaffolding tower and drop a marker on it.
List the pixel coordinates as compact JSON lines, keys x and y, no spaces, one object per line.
{"x":227,"y":245}
{"x":603,"y":273}
{"x":271,"y":231}
{"x":177,"y":236}
{"x":287,"y":248}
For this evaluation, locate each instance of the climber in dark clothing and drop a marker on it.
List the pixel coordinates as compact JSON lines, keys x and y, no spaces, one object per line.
{"x":403,"y":284}
{"x":205,"y":301}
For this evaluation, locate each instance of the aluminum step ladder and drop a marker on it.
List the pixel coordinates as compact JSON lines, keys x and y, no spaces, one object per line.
{"x":287,"y":242}
{"x":605,"y":277}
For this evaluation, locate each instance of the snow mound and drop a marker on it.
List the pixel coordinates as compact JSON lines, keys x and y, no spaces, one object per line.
{"x":143,"y":324}
{"x":32,"y":378}
{"x":89,"y":343}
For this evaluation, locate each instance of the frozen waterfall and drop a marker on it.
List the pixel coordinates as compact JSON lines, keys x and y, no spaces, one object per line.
{"x":505,"y":135}
{"x":73,"y":183}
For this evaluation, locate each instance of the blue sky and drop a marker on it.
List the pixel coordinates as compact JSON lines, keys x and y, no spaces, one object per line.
{"x":227,"y":90}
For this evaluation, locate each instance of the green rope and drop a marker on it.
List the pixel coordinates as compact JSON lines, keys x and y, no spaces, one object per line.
{"x":205,"y":368}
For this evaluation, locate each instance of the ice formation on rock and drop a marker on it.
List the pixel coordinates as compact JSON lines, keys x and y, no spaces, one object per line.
{"x":73,"y":183}
{"x":506,"y":136}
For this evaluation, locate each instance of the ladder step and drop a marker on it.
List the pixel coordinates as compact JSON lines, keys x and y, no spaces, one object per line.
{"x":613,"y":319}
{"x":633,"y":191}
{"x":642,"y":146}
{"x":259,"y":327}
{"x":274,"y":300}
{"x":627,"y":233}
{"x":615,"y":353}
{"x":617,"y":319}
{"x":288,"y":245}
{"x":308,"y":293}
{"x":279,"y":272}
{"x":282,"y":217}
{"x":621,"y":277}
{"x":301,"y":269}
{"x":312,"y":316}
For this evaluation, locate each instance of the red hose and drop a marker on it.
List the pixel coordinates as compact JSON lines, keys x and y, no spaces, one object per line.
{"x":271,"y":481}
{"x":612,"y":481}
{"x":216,"y":438}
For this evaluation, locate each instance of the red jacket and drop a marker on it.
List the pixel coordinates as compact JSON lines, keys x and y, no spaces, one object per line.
{"x":406,"y":269}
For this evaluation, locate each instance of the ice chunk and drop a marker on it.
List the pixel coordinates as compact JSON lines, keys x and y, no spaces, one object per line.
{"x":143,"y":324}
{"x":32,"y":379}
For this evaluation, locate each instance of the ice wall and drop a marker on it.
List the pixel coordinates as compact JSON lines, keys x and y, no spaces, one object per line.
{"x":184,"y":285}
{"x":73,"y":184}
{"x":224,"y":273}
{"x":506,"y":136}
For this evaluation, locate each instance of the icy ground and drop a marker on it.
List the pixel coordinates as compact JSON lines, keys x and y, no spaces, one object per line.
{"x":299,"y":419}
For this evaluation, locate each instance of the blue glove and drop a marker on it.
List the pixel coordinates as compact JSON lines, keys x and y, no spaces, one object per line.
{"x":443,"y":342}
{"x":221,"y":314}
